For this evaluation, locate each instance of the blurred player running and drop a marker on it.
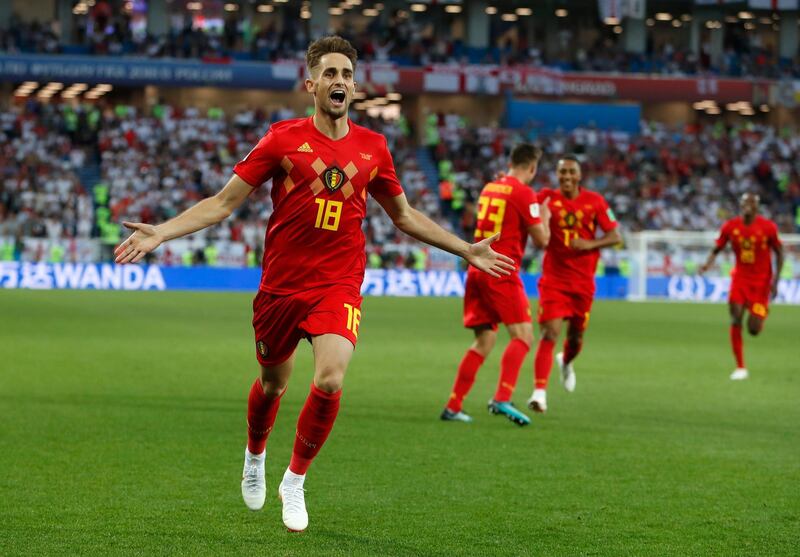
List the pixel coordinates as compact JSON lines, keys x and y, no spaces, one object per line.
{"x":566,"y":288}
{"x":753,"y":283}
{"x":508,"y":207}
{"x":321,"y":168}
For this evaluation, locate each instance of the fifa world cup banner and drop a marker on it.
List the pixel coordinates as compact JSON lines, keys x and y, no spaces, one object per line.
{"x":377,"y":282}
{"x":688,"y":288}
{"x":106,"y":276}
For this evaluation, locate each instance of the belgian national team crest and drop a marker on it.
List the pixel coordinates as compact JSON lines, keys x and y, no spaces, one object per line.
{"x":333,"y":178}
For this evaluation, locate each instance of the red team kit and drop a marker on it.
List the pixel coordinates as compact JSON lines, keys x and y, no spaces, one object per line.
{"x":751,"y":281}
{"x":312,"y":278}
{"x":566,"y":288}
{"x":507,"y":207}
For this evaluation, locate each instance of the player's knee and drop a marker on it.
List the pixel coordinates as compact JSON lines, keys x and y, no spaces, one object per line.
{"x":754,"y":328}
{"x":550,"y":333}
{"x":525,"y":334}
{"x":526,"y":337}
{"x":330,"y":378}
{"x":484,"y":343}
{"x":273,"y":389}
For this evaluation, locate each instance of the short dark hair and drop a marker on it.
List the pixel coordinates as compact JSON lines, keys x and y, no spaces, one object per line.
{"x":525,"y":154}
{"x":328,"y":45}
{"x":570,"y":157}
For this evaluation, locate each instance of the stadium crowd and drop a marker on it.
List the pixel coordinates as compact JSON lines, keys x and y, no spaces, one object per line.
{"x":155,"y":165}
{"x":399,"y":38}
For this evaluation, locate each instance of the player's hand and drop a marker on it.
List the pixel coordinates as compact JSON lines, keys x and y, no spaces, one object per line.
{"x":482,"y":256}
{"x":145,"y":238}
{"x":774,"y":292}
{"x":704,"y":268}
{"x":544,"y":211}
{"x":581,"y":244}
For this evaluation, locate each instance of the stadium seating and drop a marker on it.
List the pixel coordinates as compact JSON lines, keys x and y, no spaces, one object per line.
{"x":401,"y":40}
{"x":156,"y":167}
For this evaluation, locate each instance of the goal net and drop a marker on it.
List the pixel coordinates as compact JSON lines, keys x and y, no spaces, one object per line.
{"x":664,"y":265}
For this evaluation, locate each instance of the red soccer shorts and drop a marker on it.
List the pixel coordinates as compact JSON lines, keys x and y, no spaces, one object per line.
{"x":559,"y":304}
{"x":489,"y":301}
{"x":753,"y":295}
{"x":280,"y":322}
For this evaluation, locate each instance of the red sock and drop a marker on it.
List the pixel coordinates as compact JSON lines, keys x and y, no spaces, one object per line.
{"x":571,"y":350}
{"x":543,"y":362}
{"x":513,"y":357}
{"x":261,"y":412}
{"x":313,"y":426}
{"x":467,"y":370}
{"x":736,"y":343}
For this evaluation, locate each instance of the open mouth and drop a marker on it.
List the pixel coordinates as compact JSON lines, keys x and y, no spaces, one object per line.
{"x":338,"y":97}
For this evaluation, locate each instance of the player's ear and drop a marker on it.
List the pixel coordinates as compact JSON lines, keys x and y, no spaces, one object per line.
{"x":311,"y":85}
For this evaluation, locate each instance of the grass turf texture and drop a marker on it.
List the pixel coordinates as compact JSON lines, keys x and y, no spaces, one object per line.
{"x":123,"y":428}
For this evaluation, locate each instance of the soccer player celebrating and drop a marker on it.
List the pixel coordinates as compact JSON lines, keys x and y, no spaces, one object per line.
{"x":508,"y":207}
{"x":752,"y":238}
{"x":566,"y":288}
{"x":322,"y":169}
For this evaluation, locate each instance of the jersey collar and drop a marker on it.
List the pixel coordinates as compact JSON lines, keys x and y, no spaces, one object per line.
{"x":324,"y":137}
{"x":510,"y":180}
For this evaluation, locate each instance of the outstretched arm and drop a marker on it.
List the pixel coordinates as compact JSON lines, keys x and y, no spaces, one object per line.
{"x":710,"y":261}
{"x":418,"y":226}
{"x":147,"y":237}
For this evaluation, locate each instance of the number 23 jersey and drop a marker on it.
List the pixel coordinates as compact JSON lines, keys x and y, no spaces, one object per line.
{"x":319,"y":197}
{"x":507,"y":207}
{"x":565,"y":268}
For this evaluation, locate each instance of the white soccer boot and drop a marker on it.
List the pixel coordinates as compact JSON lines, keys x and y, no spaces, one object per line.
{"x":254,"y":486}
{"x":292,"y":495}
{"x":739,"y":374}
{"x":538,"y":401}
{"x":567,"y":373}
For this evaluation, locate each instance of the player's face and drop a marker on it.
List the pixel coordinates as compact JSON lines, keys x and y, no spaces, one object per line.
{"x":569,"y":176}
{"x":332,"y":84}
{"x":748,"y":204}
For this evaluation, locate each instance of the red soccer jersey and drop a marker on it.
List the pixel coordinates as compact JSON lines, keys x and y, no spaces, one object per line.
{"x":751,"y":244}
{"x":319,"y":198}
{"x":509,"y":207}
{"x":565,"y":268}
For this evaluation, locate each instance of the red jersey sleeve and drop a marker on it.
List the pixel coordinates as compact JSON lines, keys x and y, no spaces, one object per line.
{"x":605,"y":216}
{"x":260,"y":164}
{"x":774,"y":239}
{"x":385,"y":181}
{"x":527,"y":204}
{"x":724,"y":235}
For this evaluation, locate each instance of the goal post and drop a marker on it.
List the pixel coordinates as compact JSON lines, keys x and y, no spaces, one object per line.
{"x":664,"y":265}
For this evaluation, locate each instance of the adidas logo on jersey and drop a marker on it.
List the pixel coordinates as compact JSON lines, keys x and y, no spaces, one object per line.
{"x":305,"y":148}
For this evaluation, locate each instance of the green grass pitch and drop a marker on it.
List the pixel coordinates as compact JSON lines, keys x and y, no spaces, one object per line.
{"x":123,"y":428}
